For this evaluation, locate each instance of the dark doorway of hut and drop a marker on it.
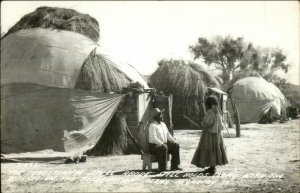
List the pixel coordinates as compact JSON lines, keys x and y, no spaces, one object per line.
{"x":138,"y":126}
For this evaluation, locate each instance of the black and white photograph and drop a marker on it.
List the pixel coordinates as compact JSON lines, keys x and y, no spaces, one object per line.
{"x":150,"y":96}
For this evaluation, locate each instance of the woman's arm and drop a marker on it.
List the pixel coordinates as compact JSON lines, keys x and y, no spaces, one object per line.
{"x":209,"y":119}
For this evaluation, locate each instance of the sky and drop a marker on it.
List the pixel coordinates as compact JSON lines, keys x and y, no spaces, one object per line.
{"x":144,"y":32}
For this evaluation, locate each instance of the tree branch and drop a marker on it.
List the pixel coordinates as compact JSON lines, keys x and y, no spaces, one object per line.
{"x":237,"y":66}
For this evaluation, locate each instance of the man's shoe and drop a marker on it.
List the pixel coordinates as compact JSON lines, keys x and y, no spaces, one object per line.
{"x":175,"y":168}
{"x":161,"y":170}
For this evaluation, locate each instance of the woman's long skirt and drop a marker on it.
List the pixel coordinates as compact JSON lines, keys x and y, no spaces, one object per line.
{"x":211,"y":150}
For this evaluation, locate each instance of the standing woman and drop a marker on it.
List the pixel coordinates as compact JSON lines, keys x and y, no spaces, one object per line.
{"x":211,"y":149}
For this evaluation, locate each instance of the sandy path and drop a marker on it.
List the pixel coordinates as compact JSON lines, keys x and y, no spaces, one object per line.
{"x":264,"y":159}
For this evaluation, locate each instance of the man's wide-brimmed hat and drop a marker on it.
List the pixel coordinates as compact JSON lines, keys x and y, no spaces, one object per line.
{"x":156,"y":111}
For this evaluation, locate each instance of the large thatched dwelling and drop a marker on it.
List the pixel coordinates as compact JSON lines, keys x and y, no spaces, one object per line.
{"x":188,"y":83}
{"x":61,"y":92}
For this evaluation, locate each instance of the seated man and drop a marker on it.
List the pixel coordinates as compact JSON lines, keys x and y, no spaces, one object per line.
{"x":162,"y":143}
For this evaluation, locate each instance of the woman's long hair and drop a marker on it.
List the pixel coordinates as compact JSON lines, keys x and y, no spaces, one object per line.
{"x":211,"y":101}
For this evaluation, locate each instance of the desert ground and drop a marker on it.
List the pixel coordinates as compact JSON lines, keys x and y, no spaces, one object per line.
{"x":264,"y":159}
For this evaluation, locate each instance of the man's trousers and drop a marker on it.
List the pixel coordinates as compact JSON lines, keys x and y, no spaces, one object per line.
{"x":162,"y":152}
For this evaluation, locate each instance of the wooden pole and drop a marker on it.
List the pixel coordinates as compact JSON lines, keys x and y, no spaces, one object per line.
{"x":203,"y":104}
{"x":230,"y":122}
{"x":134,"y":142}
{"x":237,"y":120}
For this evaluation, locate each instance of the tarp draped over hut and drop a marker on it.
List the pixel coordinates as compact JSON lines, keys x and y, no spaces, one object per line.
{"x":188,"y":83}
{"x":36,"y":117}
{"x":39,"y":107}
{"x":254,"y":97}
{"x":56,"y":86}
{"x":54,"y":57}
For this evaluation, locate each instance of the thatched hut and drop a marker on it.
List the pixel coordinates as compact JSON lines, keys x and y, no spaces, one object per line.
{"x":187,"y":82}
{"x":59,"y":89}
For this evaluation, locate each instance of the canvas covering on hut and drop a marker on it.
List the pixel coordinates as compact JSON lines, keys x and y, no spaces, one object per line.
{"x":254,"y":97}
{"x":39,"y":107}
{"x":42,"y":115}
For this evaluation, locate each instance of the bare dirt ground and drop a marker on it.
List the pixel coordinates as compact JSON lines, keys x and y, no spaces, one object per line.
{"x":264,"y":159}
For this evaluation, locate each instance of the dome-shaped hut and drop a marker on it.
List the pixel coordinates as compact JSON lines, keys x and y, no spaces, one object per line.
{"x":188,"y":82}
{"x":59,"y":90}
{"x":254,"y":97}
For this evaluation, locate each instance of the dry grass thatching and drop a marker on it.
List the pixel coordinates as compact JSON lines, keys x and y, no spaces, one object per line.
{"x":97,"y":74}
{"x":59,"y":18}
{"x":187,"y":82}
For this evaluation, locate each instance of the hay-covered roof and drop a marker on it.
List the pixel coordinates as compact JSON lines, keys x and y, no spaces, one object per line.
{"x":97,"y":74}
{"x":59,"y":18}
{"x":187,"y":82}
{"x":182,"y":78}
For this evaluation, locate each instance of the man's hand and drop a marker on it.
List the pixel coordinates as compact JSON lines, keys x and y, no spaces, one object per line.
{"x":176,"y":144}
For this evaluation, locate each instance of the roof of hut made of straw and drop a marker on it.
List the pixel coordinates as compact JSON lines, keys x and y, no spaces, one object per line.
{"x":97,"y":74}
{"x":59,"y":18}
{"x":187,"y":82}
{"x":186,"y":79}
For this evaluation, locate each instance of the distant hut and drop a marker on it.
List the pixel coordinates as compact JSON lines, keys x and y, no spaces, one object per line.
{"x":188,"y":83}
{"x":59,"y":90}
{"x":256,"y":98}
{"x":292,"y":94}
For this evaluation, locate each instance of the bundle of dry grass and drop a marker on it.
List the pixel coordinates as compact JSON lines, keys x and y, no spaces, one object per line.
{"x":187,"y":82}
{"x":59,"y":18}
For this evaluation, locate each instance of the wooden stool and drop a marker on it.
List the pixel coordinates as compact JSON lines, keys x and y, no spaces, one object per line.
{"x":148,"y":159}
